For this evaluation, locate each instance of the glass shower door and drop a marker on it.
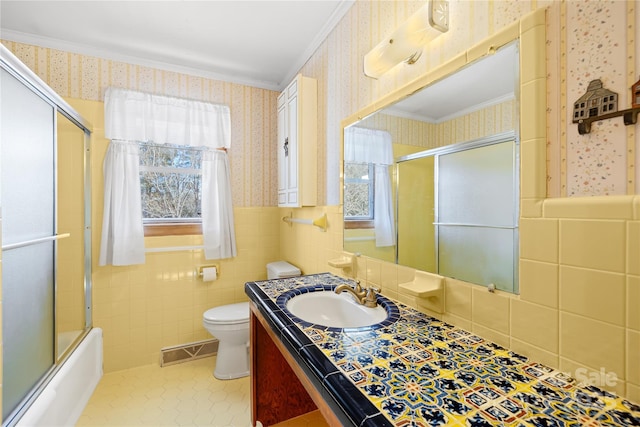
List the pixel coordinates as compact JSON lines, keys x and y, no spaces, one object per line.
{"x":28,"y":246}
{"x":415,"y":213}
{"x":70,"y":269}
{"x":478,"y":215}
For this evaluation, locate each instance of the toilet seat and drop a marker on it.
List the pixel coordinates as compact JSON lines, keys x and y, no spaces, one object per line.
{"x":231,"y":314}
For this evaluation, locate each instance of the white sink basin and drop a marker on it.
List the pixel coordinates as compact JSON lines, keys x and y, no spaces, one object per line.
{"x":334,"y":310}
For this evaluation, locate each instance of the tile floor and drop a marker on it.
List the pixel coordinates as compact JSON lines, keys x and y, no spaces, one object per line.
{"x":186,"y":394}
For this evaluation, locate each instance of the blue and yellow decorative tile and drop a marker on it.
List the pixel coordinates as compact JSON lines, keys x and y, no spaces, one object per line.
{"x":403,"y":413}
{"x":456,"y":333}
{"x":419,"y":371}
{"x":440,"y":367}
{"x":625,"y":413}
{"x":537,"y":370}
{"x":613,"y":409}
{"x":413,"y":352}
{"x":495,"y":406}
{"x":318,"y":336}
{"x":531,"y":400}
{"x":559,"y":380}
{"x":618,"y":418}
{"x":562,"y":414}
{"x":402,"y":330}
{"x":588,"y":400}
{"x":414,"y":388}
{"x":411,"y":314}
{"x":454,"y":405}
{"x":478,"y":365}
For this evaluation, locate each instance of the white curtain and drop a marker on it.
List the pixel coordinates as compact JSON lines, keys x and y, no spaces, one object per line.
{"x":374,"y":146}
{"x":139,"y":116}
{"x":132,"y":117}
{"x":217,"y":209}
{"x":122,"y":232}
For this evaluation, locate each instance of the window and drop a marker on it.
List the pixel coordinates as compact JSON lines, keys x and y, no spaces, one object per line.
{"x":368,"y":155}
{"x":170,"y":183}
{"x":358,"y":191}
{"x":175,"y":179}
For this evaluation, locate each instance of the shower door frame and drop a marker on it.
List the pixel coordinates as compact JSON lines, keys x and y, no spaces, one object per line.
{"x":498,"y":138}
{"x":14,"y":67}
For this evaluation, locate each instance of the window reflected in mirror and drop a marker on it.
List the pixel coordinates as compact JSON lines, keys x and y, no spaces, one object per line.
{"x":358,"y":191}
{"x":440,"y":204}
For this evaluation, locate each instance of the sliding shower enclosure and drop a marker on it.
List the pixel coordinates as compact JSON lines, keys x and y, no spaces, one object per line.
{"x":458,"y":209}
{"x":45,"y":216}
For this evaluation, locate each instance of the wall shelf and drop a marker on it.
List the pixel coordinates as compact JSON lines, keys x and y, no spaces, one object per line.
{"x":630,"y":118}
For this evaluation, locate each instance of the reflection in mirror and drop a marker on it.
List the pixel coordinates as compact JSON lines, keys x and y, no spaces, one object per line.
{"x":448,"y":201}
{"x":472,"y":202}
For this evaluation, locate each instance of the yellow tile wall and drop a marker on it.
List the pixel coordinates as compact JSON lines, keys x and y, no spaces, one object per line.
{"x":458,"y":300}
{"x":578,"y":345}
{"x":633,"y":295}
{"x":535,"y":325}
{"x":593,"y":293}
{"x":539,"y":282}
{"x":593,"y":244}
{"x":144,"y":308}
{"x":490,"y":310}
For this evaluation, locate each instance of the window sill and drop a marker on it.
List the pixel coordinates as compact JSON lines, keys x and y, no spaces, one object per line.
{"x":354,"y":225}
{"x":172,"y":229}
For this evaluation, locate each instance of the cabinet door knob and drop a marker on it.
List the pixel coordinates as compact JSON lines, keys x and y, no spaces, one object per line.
{"x":286,"y":147}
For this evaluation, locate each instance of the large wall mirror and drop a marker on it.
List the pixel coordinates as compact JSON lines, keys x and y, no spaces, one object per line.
{"x":432,"y":180}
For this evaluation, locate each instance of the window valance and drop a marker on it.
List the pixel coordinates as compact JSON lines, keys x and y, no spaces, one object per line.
{"x":363,"y":145}
{"x":139,"y":116}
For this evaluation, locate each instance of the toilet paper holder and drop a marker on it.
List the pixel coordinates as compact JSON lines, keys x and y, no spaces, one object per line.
{"x":202,"y":267}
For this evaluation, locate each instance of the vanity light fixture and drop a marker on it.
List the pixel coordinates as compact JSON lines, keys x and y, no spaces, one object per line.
{"x":406,"y":42}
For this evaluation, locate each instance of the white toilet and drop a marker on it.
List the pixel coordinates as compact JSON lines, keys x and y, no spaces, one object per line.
{"x":281,"y":270}
{"x":230,"y":325}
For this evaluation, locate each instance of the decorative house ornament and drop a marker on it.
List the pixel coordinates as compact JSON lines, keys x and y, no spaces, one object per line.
{"x":595,"y":102}
{"x":599,"y":103}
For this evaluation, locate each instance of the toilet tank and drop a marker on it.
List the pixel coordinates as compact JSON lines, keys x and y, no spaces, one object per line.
{"x":281,"y":270}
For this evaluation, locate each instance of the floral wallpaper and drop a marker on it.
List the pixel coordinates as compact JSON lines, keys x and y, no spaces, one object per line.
{"x":596,"y":162}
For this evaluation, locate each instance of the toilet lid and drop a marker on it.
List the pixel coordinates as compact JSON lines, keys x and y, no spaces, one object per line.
{"x":228,"y":314}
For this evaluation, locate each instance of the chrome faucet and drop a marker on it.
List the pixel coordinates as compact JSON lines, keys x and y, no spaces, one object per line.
{"x":366,"y":297}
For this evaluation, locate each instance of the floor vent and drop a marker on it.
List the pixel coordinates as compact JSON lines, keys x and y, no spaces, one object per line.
{"x":188,"y":352}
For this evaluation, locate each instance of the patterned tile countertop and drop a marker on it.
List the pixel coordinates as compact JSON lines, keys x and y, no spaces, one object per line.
{"x":415,"y":370}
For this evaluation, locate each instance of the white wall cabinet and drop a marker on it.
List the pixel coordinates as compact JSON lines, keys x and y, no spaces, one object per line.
{"x":297,"y":143}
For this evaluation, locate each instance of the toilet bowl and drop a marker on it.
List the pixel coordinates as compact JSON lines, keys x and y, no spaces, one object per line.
{"x":230,"y":325}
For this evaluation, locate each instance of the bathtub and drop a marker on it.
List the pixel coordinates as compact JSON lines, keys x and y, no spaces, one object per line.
{"x":62,"y":401}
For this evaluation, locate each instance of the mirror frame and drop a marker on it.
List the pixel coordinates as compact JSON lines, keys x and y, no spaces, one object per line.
{"x":530,"y":30}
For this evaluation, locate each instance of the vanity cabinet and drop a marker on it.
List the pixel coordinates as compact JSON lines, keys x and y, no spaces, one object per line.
{"x":297,"y":143}
{"x":280,"y":390}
